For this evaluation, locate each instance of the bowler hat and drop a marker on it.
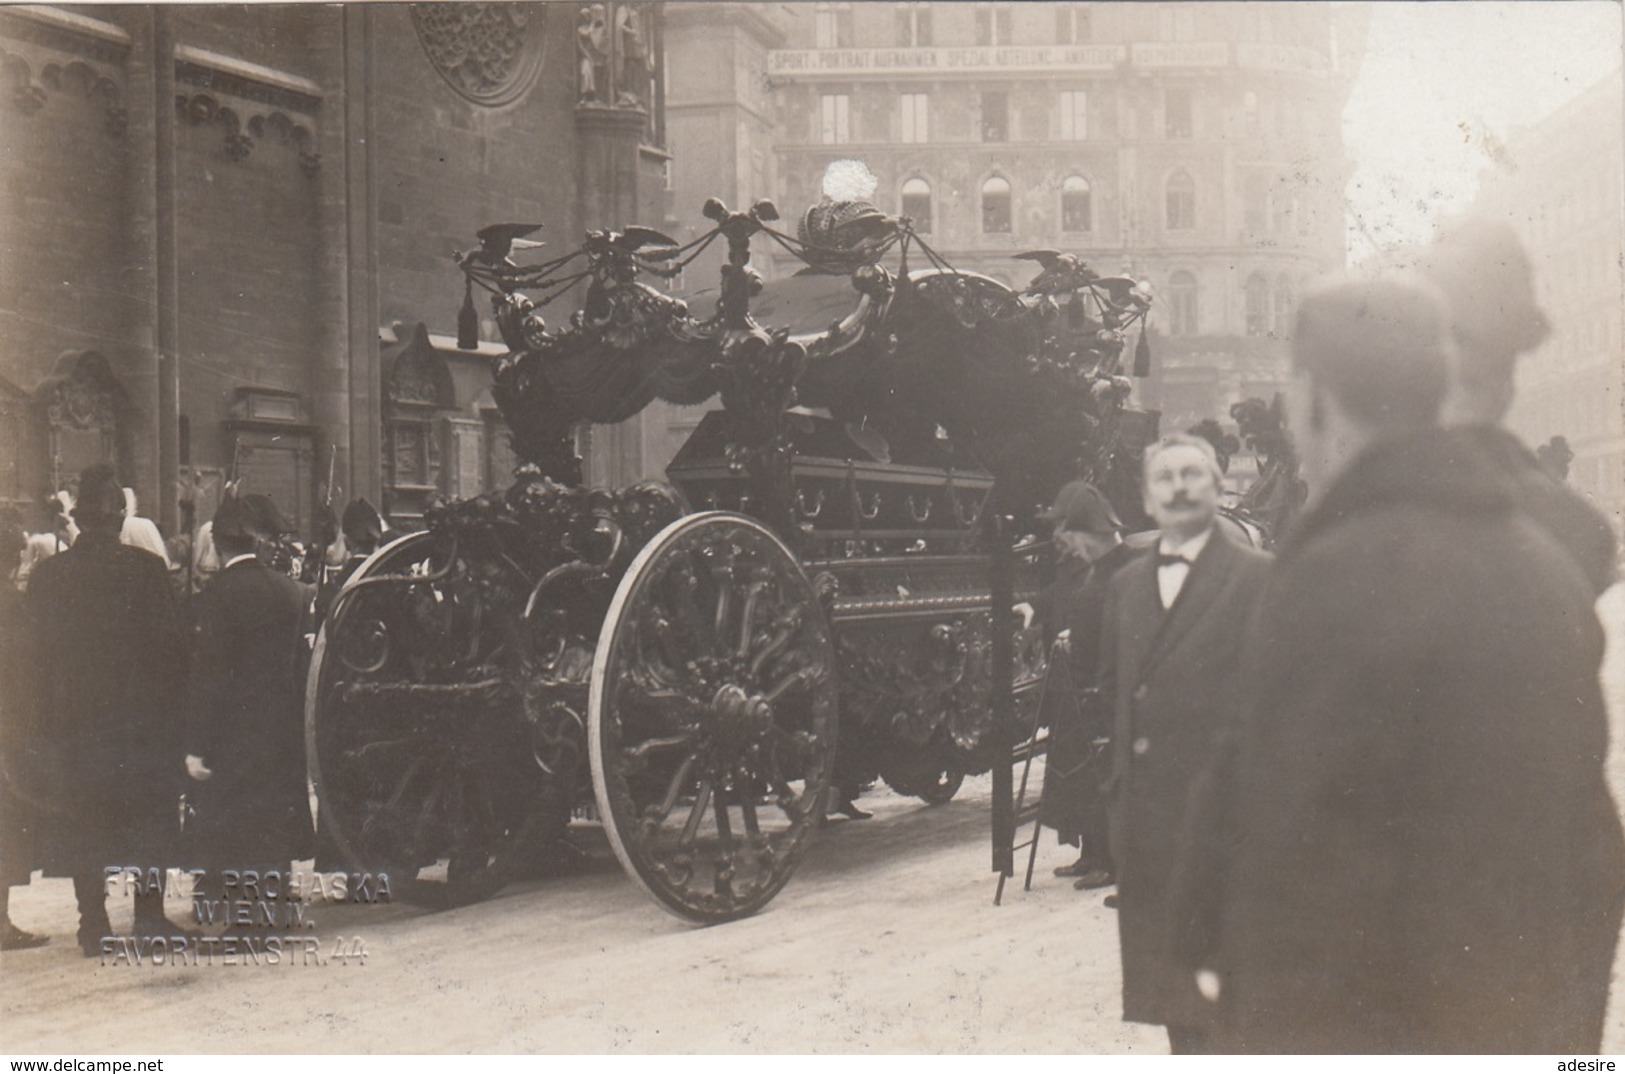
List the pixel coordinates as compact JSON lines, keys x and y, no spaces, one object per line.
{"x":1484,"y":273}
{"x":1080,"y":506}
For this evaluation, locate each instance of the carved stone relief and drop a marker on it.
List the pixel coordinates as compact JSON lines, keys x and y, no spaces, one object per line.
{"x":246,"y":125}
{"x":489,"y":53}
{"x":75,"y":79}
{"x":82,"y":414}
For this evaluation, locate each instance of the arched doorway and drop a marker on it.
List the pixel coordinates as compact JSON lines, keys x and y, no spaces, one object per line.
{"x":417,"y":393}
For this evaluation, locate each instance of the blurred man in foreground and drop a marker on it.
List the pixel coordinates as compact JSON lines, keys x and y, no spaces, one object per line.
{"x":1423,"y":855}
{"x":1484,"y":274}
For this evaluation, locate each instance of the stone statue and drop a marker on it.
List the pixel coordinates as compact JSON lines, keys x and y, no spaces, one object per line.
{"x":592,"y":54}
{"x":633,"y":49}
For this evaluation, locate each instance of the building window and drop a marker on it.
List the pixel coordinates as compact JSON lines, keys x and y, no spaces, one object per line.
{"x":1075,"y":214}
{"x":1182,"y":304}
{"x":1282,"y":208}
{"x":833,"y":24}
{"x":916,"y":111}
{"x":1176,"y":102}
{"x":1181,"y":202}
{"x":1177,"y":22}
{"x":995,"y":117}
{"x":917,"y":204}
{"x":1071,"y":24}
{"x":914,"y":25}
{"x":1258,"y":305}
{"x":1283,"y":306}
{"x":834,"y":119}
{"x":1253,"y":203}
{"x":1074,"y":115}
{"x":993,"y":24}
{"x":996,"y":205}
{"x":1249,"y":113}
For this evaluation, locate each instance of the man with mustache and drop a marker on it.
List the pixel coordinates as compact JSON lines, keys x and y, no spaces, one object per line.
{"x":1175,"y":621}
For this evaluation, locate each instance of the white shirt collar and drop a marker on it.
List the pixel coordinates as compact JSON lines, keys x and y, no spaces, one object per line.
{"x":234,"y":560}
{"x":1190,"y":549}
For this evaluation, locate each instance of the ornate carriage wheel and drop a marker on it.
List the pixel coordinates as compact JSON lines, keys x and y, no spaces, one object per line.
{"x":712,"y":717}
{"x":418,"y":752}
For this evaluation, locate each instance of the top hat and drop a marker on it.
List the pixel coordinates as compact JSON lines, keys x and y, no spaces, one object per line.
{"x":267,"y":519}
{"x":361,"y":521}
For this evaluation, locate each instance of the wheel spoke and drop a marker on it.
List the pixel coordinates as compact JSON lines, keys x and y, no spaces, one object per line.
{"x":722,"y":576}
{"x":788,"y":625}
{"x":747,"y":618}
{"x":696,"y":814}
{"x":801,"y":676}
{"x":673,"y":791}
{"x":722,"y":882}
{"x":747,"y":811}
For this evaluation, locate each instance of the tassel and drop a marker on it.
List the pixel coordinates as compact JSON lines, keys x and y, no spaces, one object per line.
{"x":1142,"y":356}
{"x":468,"y":320}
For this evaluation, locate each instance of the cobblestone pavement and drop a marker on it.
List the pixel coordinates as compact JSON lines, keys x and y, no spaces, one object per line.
{"x":886,"y":941}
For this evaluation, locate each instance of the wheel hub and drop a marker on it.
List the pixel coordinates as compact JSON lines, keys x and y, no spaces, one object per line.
{"x":740,"y":715}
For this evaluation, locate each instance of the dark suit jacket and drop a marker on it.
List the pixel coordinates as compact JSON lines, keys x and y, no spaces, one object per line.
{"x":1073,"y":769}
{"x":1172,"y":678}
{"x":245,"y":718}
{"x":108,"y":667}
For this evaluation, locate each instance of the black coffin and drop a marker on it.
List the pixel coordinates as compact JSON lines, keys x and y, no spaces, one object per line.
{"x":846,"y":482}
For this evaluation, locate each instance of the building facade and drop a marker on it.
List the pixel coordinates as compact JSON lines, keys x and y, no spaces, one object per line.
{"x":1561,"y":184}
{"x":226,"y":250}
{"x":1197,"y":146}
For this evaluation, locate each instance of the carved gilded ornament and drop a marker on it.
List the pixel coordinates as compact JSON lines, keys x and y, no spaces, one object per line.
{"x":489,"y":53}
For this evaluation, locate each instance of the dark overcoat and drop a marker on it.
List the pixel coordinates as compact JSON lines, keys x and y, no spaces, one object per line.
{"x":1172,"y":677}
{"x":1424,"y":855}
{"x":245,"y":718}
{"x":1578,"y":527}
{"x":1076,"y":716}
{"x":18,"y":822}
{"x":109,"y":671}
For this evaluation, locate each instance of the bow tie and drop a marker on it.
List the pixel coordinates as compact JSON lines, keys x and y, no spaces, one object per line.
{"x":1169,"y":559}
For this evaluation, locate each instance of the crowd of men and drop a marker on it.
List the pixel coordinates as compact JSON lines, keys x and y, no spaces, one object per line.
{"x":150,"y":718}
{"x":1351,"y":795}
{"x":1356,"y":797}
